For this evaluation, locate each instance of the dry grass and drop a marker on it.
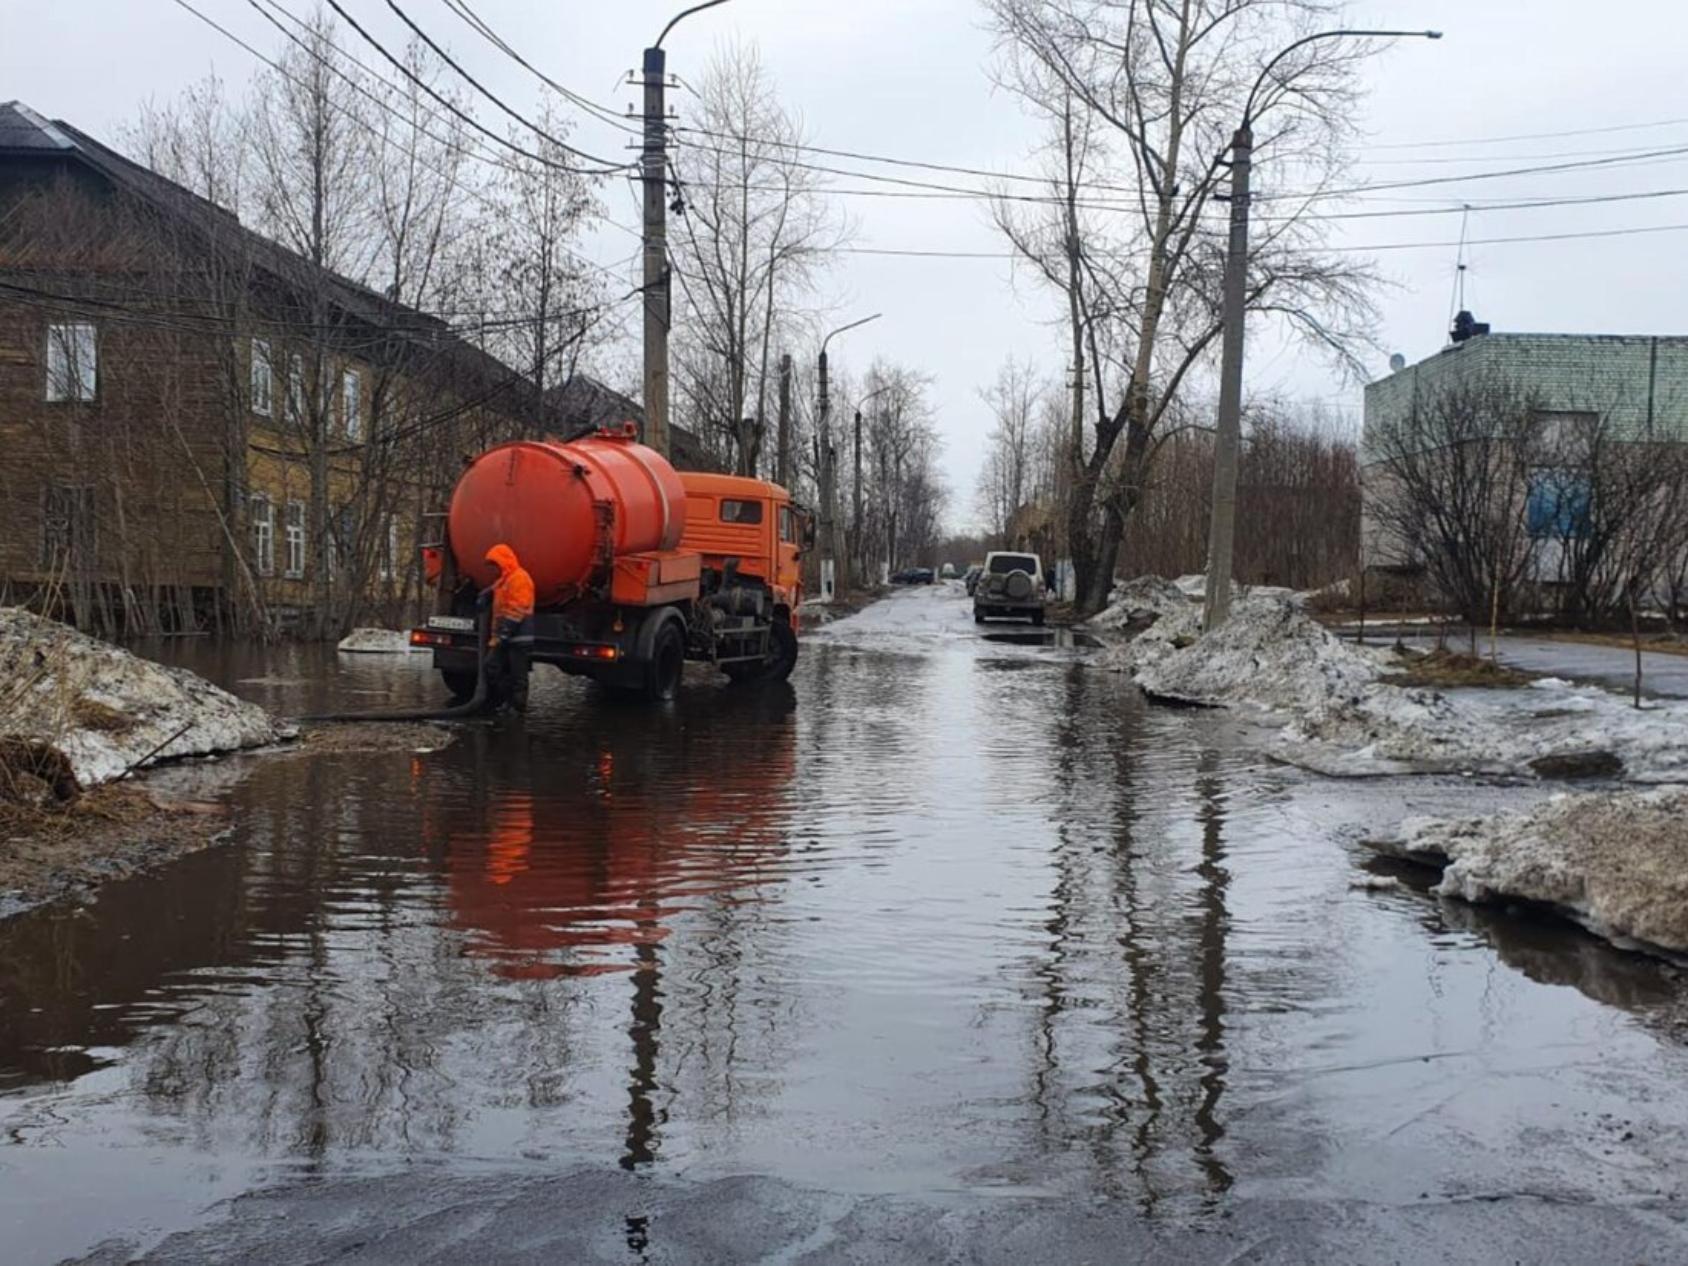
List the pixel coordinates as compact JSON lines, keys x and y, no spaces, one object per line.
{"x":1447,"y":669}
{"x":91,"y":714}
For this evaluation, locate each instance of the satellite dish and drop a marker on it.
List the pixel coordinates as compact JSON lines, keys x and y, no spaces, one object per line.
{"x":1397,"y":363}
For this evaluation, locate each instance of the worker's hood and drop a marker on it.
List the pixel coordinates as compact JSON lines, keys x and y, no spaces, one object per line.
{"x":503,"y":558}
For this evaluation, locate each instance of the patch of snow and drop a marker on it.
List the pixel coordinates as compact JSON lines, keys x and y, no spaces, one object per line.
{"x":107,"y":709}
{"x":1616,"y":862}
{"x":378,"y":642}
{"x":1344,"y":721}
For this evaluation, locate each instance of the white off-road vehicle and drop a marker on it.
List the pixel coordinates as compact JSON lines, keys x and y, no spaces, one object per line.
{"x":1010,"y":587}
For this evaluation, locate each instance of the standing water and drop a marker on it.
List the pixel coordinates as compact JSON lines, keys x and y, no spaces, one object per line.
{"x":953,"y":940}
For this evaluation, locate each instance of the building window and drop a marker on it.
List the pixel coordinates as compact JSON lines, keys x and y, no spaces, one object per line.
{"x":296,"y":389}
{"x":351,"y":404}
{"x":263,"y":534}
{"x":263,"y":378}
{"x":72,"y":361}
{"x":67,"y":527}
{"x":295,"y":539}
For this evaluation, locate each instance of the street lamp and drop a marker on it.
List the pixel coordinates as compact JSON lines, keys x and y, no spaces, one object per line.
{"x":653,"y":164}
{"x":1223,"y":526}
{"x":854,"y":553}
{"x":830,"y":552}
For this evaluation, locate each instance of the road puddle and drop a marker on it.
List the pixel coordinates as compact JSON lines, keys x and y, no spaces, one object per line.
{"x":1055,"y":639}
{"x":897,"y":930}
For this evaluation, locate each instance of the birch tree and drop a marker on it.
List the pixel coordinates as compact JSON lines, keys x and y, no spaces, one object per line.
{"x":1164,"y":82}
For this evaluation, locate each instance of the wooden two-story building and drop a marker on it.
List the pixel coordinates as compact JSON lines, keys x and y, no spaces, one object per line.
{"x":201,"y":429}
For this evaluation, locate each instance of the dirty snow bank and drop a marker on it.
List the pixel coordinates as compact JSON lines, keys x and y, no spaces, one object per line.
{"x":377,"y":642}
{"x":1343,"y":720}
{"x":106,"y":709}
{"x":1616,"y":862}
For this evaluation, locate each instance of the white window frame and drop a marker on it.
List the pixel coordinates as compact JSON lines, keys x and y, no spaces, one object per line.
{"x":293,"y":529}
{"x":262,"y":514}
{"x":390,"y":549}
{"x":351,"y":404}
{"x":296,"y":390}
{"x":73,"y":361}
{"x":263,"y":379}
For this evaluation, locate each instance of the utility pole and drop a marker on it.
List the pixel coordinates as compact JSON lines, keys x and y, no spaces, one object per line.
{"x":655,"y":171}
{"x":1222,"y":529}
{"x":1223,"y":526}
{"x":831,"y":555}
{"x":782,"y":463}
{"x":858,"y":561}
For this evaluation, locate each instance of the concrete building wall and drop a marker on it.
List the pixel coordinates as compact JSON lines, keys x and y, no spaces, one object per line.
{"x":1639,"y":382}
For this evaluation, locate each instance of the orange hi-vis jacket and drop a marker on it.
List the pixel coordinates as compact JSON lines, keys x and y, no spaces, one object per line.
{"x":512,"y":592}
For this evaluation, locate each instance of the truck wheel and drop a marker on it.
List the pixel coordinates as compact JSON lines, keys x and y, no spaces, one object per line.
{"x":782,"y":658}
{"x":667,"y":663}
{"x":460,"y":684}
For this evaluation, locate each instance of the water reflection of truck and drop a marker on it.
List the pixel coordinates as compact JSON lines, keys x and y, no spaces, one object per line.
{"x":636,"y":567}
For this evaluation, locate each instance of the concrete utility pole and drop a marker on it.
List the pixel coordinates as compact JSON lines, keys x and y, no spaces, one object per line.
{"x":1222,"y":530}
{"x":653,"y":165}
{"x":1223,"y":526}
{"x":856,"y":559}
{"x":782,"y":459}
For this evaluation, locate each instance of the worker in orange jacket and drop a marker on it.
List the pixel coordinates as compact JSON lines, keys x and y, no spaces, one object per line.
{"x":511,"y":599}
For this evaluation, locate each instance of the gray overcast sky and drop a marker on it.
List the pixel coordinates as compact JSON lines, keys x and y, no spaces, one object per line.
{"x":910,"y":78}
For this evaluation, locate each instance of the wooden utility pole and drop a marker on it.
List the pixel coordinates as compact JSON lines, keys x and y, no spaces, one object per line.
{"x":1223,"y":527}
{"x":654,"y":162}
{"x":782,"y":462}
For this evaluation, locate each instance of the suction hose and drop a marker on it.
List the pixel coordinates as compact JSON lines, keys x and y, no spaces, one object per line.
{"x":476,"y":704}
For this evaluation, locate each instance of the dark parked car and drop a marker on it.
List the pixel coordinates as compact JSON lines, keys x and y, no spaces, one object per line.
{"x":913,"y":576}
{"x":971,"y":579}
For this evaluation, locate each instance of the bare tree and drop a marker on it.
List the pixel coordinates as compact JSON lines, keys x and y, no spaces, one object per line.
{"x":1166,"y":81}
{"x":756,"y":230}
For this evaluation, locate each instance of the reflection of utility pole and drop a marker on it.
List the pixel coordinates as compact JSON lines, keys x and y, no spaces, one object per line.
{"x":644,"y":1031}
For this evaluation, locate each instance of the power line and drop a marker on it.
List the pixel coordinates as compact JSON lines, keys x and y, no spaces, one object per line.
{"x":1530,"y":136}
{"x":498,"y":101}
{"x":1357,"y":249}
{"x":458,"y":111}
{"x":484,"y":29}
{"x":452,"y":180}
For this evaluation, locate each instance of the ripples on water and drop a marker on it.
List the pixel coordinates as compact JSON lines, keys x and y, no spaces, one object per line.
{"x":919,"y":922}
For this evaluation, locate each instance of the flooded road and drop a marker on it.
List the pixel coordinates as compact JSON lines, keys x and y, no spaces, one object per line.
{"x":955,"y":949}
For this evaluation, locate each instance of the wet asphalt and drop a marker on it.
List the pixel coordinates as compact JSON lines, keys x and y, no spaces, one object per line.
{"x":955,"y":950}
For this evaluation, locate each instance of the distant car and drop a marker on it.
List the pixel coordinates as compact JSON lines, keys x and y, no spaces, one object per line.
{"x":1011,"y":587}
{"x":971,"y":578}
{"x":947,"y":572}
{"x":913,"y":576}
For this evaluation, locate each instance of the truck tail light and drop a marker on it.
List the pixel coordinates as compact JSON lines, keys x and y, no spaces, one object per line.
{"x":426,"y":637}
{"x":596,"y":652}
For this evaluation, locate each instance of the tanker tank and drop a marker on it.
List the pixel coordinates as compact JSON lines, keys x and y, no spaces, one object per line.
{"x":542,"y":498}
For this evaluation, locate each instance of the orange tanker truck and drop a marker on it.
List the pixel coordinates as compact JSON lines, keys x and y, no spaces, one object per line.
{"x":636,"y":567}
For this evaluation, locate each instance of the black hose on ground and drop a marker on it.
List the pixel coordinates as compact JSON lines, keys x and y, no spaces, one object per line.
{"x":477,"y":703}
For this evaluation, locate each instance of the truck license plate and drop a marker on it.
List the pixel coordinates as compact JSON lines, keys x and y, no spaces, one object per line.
{"x":452,"y":623}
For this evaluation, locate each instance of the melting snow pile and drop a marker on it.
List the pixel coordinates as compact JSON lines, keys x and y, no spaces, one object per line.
{"x":1345,"y":721}
{"x":1615,"y":862}
{"x":106,"y":709}
{"x":1268,"y":653}
{"x":1139,"y":602}
{"x":377,"y":642}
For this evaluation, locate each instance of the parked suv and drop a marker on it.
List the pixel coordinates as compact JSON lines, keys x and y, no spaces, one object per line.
{"x":1010,"y":586}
